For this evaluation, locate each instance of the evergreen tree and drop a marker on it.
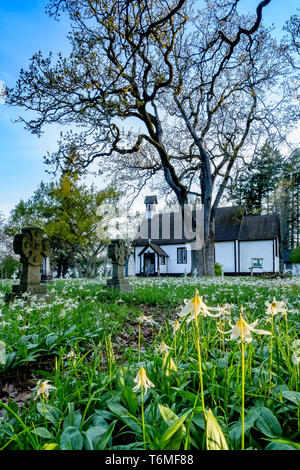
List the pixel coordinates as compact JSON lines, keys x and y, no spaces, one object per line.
{"x":257,"y":180}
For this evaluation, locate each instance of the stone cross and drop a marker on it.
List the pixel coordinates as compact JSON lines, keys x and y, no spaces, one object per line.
{"x":32,"y":247}
{"x":101,"y":272}
{"x":118,"y":251}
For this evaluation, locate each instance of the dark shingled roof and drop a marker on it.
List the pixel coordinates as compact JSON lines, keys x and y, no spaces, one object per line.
{"x":259,"y":227}
{"x":228,"y":223}
{"x":150,"y":200}
{"x":231,"y":224}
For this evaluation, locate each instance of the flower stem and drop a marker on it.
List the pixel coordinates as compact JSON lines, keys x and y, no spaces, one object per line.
{"x":143,"y":418}
{"x":139,"y":342}
{"x":199,"y":361}
{"x":271,"y":353}
{"x":243,"y":387}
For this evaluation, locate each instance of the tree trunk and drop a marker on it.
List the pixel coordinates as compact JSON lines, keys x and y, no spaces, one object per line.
{"x":203,"y":260}
{"x":65,"y":267}
{"x":59,"y":269}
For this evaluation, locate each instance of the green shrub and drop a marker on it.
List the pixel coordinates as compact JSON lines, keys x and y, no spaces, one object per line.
{"x":218,"y":269}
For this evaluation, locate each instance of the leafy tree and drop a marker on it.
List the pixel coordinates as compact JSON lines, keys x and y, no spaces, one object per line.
{"x":286,"y":201}
{"x":255,"y":181}
{"x":197,"y":85}
{"x":295,"y":255}
{"x":67,"y":212}
{"x":6,"y":250}
{"x":9,"y":266}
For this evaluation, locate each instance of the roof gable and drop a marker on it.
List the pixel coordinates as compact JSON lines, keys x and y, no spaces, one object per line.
{"x":259,"y":227}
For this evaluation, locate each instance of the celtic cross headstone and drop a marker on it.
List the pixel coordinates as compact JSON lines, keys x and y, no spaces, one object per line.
{"x":32,"y":248}
{"x":118,"y":251}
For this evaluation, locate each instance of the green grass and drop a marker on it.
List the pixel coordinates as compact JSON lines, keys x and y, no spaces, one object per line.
{"x":93,"y":405}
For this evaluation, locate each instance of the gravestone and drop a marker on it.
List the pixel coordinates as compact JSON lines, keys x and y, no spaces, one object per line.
{"x":118,"y":251}
{"x":101,"y":271}
{"x":32,"y":247}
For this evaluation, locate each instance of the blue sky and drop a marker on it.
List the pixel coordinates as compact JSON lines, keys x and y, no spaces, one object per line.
{"x":25,"y":29}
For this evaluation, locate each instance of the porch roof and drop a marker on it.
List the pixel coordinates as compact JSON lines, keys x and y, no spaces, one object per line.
{"x":155,"y":248}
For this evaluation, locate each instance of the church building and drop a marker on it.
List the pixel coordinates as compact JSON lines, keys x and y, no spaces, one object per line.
{"x":243,"y":244}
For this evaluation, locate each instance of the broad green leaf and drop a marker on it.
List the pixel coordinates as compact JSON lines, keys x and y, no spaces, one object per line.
{"x":50,"y":339}
{"x":73,"y":418}
{"x":93,"y":435}
{"x":281,"y":444}
{"x":102,"y":443}
{"x":268,"y":424}
{"x":117,"y":409}
{"x":100,"y":421}
{"x":131,"y":399}
{"x":52,"y":414}
{"x":235,"y":432}
{"x":167,"y":413}
{"x":185,"y":394}
{"x":44,"y":433}
{"x":294,"y":397}
{"x":215,"y":439}
{"x":122,"y":413}
{"x":71,"y":439}
{"x":172,"y":429}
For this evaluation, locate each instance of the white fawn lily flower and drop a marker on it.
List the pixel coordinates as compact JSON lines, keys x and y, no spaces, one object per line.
{"x":220,"y":311}
{"x":168,"y":364}
{"x":142,"y":380}
{"x":163,"y":348}
{"x":196,"y":303}
{"x":244,"y":329}
{"x":176,"y":326}
{"x":42,"y":388}
{"x":147,"y":320}
{"x":276,"y":307}
{"x":71,"y":355}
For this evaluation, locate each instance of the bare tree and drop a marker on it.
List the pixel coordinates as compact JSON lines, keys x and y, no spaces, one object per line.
{"x":160,"y":89}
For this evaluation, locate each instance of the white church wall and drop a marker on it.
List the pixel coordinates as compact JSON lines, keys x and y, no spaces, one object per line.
{"x":224,"y":254}
{"x":256,"y":249}
{"x":172,"y":266}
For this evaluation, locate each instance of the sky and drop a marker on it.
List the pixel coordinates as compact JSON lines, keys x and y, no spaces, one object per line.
{"x":24,"y":30}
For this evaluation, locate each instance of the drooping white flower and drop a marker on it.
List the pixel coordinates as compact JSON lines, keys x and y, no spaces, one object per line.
{"x":242,"y":329}
{"x":196,"y":306}
{"x":163,"y":348}
{"x":142,"y":380}
{"x":193,"y":307}
{"x":175,"y":326}
{"x":71,"y":355}
{"x":42,"y":388}
{"x":276,"y":307}
{"x":147,"y":320}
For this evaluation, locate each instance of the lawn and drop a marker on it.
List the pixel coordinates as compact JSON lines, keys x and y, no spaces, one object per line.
{"x":75,"y":371}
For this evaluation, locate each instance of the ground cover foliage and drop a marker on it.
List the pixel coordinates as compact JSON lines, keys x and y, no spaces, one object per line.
{"x":73,"y":371}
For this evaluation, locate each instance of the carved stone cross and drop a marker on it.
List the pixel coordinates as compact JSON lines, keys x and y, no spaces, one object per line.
{"x":32,"y":247}
{"x":118,"y":251}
